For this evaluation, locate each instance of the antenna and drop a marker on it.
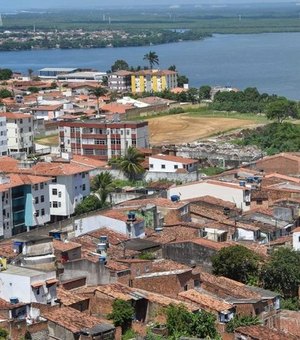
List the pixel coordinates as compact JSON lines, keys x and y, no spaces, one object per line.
{"x":1,"y":21}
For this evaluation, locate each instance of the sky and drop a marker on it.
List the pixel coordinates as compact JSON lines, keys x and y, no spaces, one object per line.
{"x":28,"y":4}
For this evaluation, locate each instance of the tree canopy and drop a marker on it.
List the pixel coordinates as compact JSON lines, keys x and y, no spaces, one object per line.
{"x":282,"y":272}
{"x":282,"y":109}
{"x":152,"y":59}
{"x":119,"y":64}
{"x":5,"y":74}
{"x":274,"y":138}
{"x":4,"y":93}
{"x":103,"y":185}
{"x":130,"y":163}
{"x":90,"y":203}
{"x":181,"y":322}
{"x":237,"y":263}
{"x":204,"y":92}
{"x":241,"y":321}
{"x":122,"y":314}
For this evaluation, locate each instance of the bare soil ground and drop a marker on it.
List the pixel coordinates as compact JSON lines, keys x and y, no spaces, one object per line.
{"x":182,"y":128}
{"x":49,"y":140}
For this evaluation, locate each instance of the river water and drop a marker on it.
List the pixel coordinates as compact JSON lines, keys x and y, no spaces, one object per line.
{"x":270,"y":62}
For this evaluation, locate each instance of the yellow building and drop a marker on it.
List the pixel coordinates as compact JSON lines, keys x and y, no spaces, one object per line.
{"x":153,"y":81}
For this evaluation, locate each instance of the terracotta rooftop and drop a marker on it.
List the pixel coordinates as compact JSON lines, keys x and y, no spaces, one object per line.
{"x":174,"y":159}
{"x":210,"y":244}
{"x":159,"y":201}
{"x":163,"y":265}
{"x":47,"y":107}
{"x":262,"y":333}
{"x":68,"y":298}
{"x":114,"y":238}
{"x":65,"y":246}
{"x":15,"y":180}
{"x":205,"y":301}
{"x":13,"y":115}
{"x":229,"y":287}
{"x":119,"y":214}
{"x":173,"y":234}
{"x":87,"y":161}
{"x":72,"y":319}
{"x":213,"y":201}
{"x":60,"y":169}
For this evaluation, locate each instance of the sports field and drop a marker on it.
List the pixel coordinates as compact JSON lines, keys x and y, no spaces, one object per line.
{"x":184,"y":128}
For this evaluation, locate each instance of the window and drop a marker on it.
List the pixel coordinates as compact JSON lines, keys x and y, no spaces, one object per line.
{"x":176,"y":166}
{"x":42,"y":198}
{"x":36,"y":187}
{"x":196,"y":283}
{"x":83,"y":175}
{"x":38,"y":291}
{"x":298,"y":238}
{"x":54,"y":180}
{"x":36,"y":200}
{"x":29,"y":128}
{"x":185,"y":288}
{"x":163,"y":166}
{"x":54,"y":191}
{"x":54,"y":204}
{"x":43,"y":212}
{"x":151,"y":166}
{"x":83,"y":187}
{"x":37,"y":213}
{"x":42,"y":186}
{"x":59,"y":204}
{"x":59,"y":194}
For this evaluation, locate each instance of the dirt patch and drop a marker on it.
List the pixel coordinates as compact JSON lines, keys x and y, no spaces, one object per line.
{"x":48,"y":141}
{"x":182,"y":128}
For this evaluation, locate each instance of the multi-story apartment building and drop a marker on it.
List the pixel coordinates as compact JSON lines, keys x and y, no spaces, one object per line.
{"x":153,"y":81}
{"x":69,"y":185}
{"x":3,"y":137}
{"x":19,"y":132}
{"x":24,"y":203}
{"x":120,"y":80}
{"x":101,"y":140}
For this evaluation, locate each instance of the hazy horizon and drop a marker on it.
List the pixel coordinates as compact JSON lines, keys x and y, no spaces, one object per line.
{"x":37,"y":4}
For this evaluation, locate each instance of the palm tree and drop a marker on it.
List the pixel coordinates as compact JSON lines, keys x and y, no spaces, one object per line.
{"x":98,"y":92}
{"x":131,"y":163}
{"x":152,"y":58}
{"x":102,"y":184}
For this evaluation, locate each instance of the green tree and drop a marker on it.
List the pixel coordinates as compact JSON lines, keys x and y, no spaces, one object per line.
{"x":181,"y":322}
{"x":237,"y":263}
{"x":152,"y":59}
{"x":131,"y":163}
{"x":4,"y":93}
{"x":122,"y":314}
{"x":204,"y":92}
{"x":27,"y":336}
{"x":282,"y":109}
{"x":103,"y":185}
{"x":240,"y":321}
{"x":98,"y":92}
{"x":282,"y":272}
{"x":290,"y":304}
{"x":172,"y":68}
{"x":119,"y":64}
{"x":181,"y":80}
{"x":193,"y":95}
{"x":3,"y":334}
{"x":90,"y":203}
{"x":33,"y":89}
{"x":5,"y":74}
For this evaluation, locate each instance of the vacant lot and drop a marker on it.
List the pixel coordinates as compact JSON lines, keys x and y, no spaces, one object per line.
{"x":183,"y":128}
{"x":48,"y":141}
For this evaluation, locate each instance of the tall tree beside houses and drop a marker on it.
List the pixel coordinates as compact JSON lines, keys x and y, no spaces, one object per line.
{"x":152,"y":59}
{"x":102,"y":184}
{"x":98,"y":92}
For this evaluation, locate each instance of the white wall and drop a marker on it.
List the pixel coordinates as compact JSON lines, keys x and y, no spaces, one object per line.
{"x":169,"y":166}
{"x":296,"y":240}
{"x":3,"y":137}
{"x":17,"y":138}
{"x":246,"y":235}
{"x":199,"y":189}
{"x":42,"y":189}
{"x":91,"y":223}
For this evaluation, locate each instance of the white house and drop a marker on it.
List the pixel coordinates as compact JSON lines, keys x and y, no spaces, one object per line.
{"x":27,"y":285}
{"x":237,"y":193}
{"x":19,"y":132}
{"x":70,"y":184}
{"x":116,"y":220}
{"x":296,"y":239}
{"x":48,"y":112}
{"x":168,"y":163}
{"x":3,"y":137}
